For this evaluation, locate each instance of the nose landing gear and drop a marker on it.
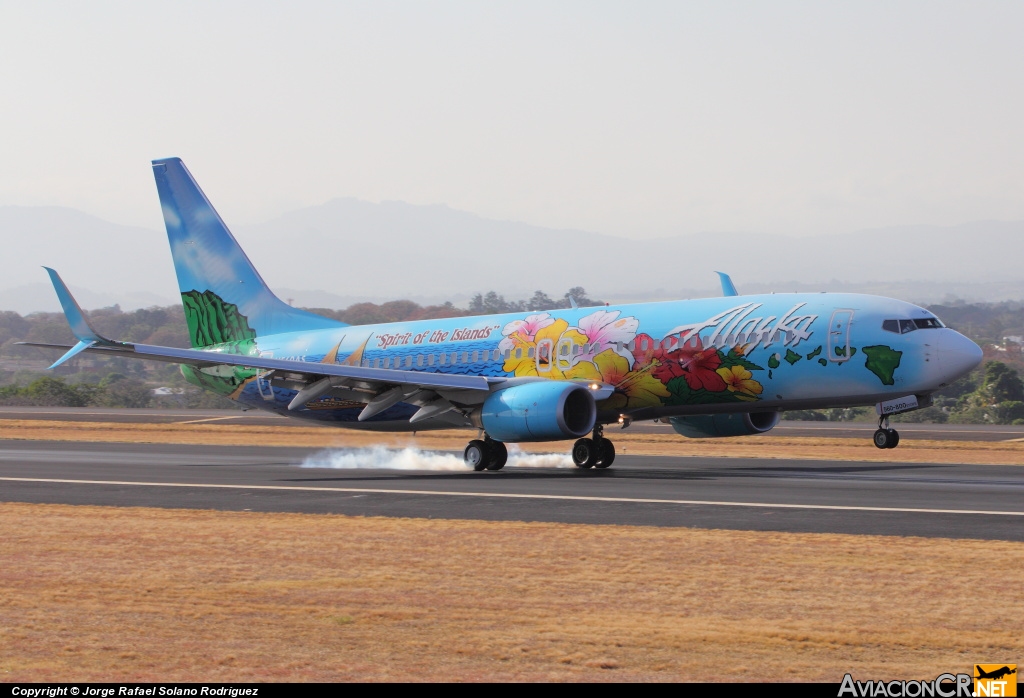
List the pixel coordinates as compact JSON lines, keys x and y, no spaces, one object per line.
{"x":885,"y":437}
{"x":598,"y":452}
{"x":485,"y":454}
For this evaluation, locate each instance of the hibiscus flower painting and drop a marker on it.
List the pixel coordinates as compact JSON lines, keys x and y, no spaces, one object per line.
{"x":645,"y":372}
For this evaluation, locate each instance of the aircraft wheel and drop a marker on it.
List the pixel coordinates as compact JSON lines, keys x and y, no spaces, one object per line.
{"x":476,"y":454}
{"x":584,"y":453}
{"x":883,"y":438}
{"x":605,"y":453}
{"x":894,"y":438}
{"x":498,"y":455}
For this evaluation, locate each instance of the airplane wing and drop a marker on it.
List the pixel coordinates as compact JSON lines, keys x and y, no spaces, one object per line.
{"x":377,"y":388}
{"x":205,"y":359}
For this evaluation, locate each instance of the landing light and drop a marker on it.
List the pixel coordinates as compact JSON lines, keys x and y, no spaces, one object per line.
{"x":595,"y":386}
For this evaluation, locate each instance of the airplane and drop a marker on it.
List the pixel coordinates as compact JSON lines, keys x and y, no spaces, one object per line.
{"x":996,"y":674}
{"x":710,"y":367}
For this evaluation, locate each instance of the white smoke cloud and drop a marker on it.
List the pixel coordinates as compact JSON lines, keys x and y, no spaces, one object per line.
{"x":415,"y":459}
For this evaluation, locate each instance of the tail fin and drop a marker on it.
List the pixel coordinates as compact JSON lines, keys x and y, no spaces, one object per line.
{"x":225,"y":299}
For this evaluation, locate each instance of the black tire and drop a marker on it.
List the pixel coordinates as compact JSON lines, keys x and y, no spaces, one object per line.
{"x":882,"y":438}
{"x":894,"y":438}
{"x":584,"y":453}
{"x":499,"y":455}
{"x":605,"y":454}
{"x":476,"y":455}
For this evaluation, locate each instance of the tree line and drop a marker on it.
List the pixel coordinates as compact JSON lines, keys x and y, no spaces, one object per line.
{"x":991,"y":394}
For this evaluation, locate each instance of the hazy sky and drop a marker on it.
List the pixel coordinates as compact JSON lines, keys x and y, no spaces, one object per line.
{"x":631,"y":118}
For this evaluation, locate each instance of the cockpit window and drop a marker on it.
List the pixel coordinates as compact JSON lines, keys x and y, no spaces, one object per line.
{"x":904,"y":326}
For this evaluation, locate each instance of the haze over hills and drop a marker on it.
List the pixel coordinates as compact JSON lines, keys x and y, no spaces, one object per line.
{"x":347,"y":250}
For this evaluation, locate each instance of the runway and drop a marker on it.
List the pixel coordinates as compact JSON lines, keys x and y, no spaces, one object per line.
{"x":959,"y":501}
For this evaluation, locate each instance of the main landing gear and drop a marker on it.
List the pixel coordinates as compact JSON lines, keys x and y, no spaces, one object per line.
{"x":886,"y":437}
{"x":597,"y":452}
{"x":485,"y":454}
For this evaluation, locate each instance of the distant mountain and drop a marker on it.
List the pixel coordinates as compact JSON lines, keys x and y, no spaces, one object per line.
{"x":346,"y":251}
{"x":353,"y":247}
{"x":109,"y":261}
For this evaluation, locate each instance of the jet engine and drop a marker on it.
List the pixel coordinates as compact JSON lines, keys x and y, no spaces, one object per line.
{"x":705,"y":426}
{"x":539,"y":411}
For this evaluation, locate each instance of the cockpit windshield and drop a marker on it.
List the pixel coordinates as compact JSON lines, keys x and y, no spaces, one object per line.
{"x":904,"y":326}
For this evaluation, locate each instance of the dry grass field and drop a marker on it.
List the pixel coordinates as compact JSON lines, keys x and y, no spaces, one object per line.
{"x":639,"y":443}
{"x":119,"y":594}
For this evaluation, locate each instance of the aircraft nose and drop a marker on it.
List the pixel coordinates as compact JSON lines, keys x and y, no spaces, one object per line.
{"x":957,"y":355}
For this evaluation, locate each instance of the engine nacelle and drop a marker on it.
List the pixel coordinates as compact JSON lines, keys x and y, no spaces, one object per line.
{"x":705,"y":426}
{"x":540,"y":411}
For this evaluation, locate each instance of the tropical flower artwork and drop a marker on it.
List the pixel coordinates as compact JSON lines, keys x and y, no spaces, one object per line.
{"x":645,"y":372}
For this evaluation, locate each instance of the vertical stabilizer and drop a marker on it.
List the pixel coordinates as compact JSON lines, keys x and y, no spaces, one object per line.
{"x":225,"y":299}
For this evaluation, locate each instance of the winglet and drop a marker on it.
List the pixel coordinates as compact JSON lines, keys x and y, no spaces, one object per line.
{"x":728,"y":288}
{"x":80,"y":326}
{"x":75,"y":350}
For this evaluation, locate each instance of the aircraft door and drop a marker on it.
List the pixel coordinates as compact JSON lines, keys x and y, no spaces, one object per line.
{"x":563,"y":354}
{"x":839,"y":335}
{"x":544,"y":356}
{"x":262,"y":381}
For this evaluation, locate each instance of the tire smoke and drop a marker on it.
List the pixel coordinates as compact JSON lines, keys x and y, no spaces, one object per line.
{"x":410,"y":458}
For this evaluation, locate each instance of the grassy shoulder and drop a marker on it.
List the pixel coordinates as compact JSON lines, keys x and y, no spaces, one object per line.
{"x":220,"y":432}
{"x":131,"y":594}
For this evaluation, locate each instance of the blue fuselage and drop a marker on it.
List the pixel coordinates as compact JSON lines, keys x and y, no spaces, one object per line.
{"x":705,"y":356}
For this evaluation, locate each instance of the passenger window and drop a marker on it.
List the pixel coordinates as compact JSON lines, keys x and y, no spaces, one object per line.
{"x":408,"y":362}
{"x":430,"y":360}
{"x":441,"y":358}
{"x":529,"y":354}
{"x":376,"y":363}
{"x":519,"y":353}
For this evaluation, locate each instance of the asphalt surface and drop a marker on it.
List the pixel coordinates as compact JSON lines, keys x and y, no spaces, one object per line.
{"x":856,"y":430}
{"x":959,"y":501}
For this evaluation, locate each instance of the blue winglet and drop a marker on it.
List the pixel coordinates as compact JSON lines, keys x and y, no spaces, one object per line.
{"x":728,"y":288}
{"x":85,"y":334}
{"x":75,"y":350}
{"x":76,"y":318}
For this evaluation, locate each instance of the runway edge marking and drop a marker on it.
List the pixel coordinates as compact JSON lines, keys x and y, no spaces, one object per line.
{"x":512,"y":495}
